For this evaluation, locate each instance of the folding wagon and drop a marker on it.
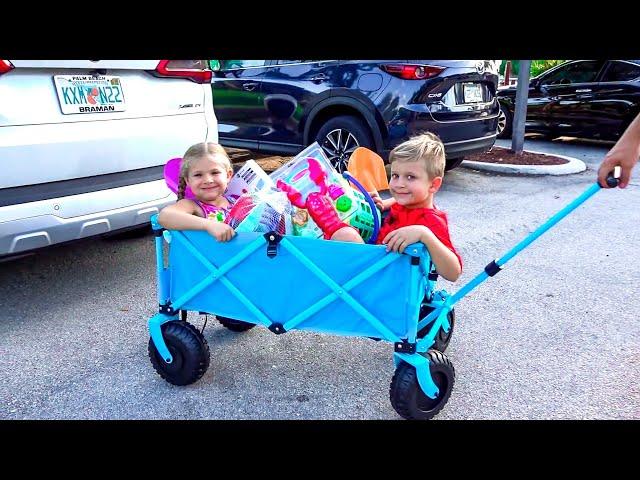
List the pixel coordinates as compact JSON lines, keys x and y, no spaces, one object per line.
{"x":285,"y":282}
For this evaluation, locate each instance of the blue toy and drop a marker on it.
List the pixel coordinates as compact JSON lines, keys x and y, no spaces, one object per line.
{"x":249,"y":281}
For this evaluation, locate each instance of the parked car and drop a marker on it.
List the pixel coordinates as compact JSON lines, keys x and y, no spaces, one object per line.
{"x":83,"y":144}
{"x":581,"y":98}
{"x":281,"y":106}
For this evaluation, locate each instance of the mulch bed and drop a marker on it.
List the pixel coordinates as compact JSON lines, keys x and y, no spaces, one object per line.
{"x":268,"y":163}
{"x":506,"y":156}
{"x":498,"y":155}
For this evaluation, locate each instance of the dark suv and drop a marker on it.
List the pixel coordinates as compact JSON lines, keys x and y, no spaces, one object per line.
{"x":582,"y":98}
{"x":281,"y":106}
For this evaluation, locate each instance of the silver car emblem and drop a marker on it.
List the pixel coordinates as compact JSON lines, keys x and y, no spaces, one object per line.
{"x":480,"y":67}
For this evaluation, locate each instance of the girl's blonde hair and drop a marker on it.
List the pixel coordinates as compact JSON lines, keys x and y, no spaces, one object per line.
{"x":196,"y":152}
{"x":427,"y":148}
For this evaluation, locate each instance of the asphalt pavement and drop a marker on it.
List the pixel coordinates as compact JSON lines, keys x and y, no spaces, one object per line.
{"x":556,"y":335}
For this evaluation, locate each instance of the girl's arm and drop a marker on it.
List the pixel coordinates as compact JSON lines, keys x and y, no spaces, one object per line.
{"x":185,"y":215}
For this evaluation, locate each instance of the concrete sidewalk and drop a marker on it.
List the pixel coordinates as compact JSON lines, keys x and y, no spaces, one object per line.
{"x":591,"y":152}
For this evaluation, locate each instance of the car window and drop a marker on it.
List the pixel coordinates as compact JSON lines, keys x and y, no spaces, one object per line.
{"x":233,"y":64}
{"x":284,"y":62}
{"x":621,"y":72}
{"x":577,"y":72}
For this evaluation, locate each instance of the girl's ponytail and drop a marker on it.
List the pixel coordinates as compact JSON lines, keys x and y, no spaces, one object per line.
{"x":182,"y":186}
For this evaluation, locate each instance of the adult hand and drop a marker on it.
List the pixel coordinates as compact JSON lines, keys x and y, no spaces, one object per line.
{"x":625,"y":156}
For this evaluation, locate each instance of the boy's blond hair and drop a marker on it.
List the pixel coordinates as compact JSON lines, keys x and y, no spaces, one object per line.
{"x":195,"y":152}
{"x":427,"y":148}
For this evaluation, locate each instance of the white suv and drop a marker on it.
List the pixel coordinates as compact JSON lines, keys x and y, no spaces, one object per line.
{"x":83,"y":143}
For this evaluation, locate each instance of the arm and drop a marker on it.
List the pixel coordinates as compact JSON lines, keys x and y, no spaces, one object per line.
{"x":446,"y":262}
{"x":184,"y":215}
{"x":624,"y":153}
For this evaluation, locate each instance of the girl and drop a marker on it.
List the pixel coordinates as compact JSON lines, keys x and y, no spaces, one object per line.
{"x":206,"y":169}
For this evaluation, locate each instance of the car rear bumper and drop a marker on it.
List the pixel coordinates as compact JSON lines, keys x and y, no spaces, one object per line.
{"x":460,"y":148}
{"x":469,"y":147}
{"x":29,"y":226}
{"x":460,"y":137}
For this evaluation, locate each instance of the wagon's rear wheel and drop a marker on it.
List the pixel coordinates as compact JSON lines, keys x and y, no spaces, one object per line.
{"x":189,"y":350}
{"x":235,"y":325}
{"x":408,"y":399}
{"x":441,"y":342}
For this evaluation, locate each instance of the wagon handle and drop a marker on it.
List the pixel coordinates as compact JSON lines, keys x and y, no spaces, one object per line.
{"x":612,"y":181}
{"x":372,"y":205}
{"x":496,"y":265}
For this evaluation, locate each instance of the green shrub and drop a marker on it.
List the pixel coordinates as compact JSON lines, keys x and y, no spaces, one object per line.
{"x":537,"y":66}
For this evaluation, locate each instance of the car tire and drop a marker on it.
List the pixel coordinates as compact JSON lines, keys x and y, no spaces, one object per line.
{"x":130,"y":233}
{"x":505,"y":122}
{"x":340,"y":136}
{"x":453,"y":163}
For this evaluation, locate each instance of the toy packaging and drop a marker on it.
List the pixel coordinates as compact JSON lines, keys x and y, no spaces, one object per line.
{"x":309,"y":180}
{"x":249,"y":178}
{"x":267,"y":210}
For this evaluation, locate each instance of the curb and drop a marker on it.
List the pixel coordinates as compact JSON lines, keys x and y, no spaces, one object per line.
{"x":574,"y":166}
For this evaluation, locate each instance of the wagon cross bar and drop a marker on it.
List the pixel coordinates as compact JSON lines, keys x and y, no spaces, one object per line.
{"x":219,"y":274}
{"x":341,"y":291}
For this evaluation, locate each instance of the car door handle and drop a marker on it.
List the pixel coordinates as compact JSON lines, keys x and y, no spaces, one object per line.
{"x":249,"y":86}
{"x":318,"y":78}
{"x":583,"y":90}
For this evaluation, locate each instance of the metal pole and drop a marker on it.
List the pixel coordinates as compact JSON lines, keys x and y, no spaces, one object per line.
{"x":520,"y":115}
{"x":507,"y":73}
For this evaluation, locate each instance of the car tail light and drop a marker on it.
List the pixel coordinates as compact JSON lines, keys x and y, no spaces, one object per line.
{"x":196,"y":70}
{"x":5,"y":66}
{"x":412,"y":72}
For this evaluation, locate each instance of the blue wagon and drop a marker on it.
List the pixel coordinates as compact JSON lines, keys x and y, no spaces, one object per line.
{"x":285,"y":282}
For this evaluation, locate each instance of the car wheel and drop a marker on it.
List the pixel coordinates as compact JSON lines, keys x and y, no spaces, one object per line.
{"x":340,"y":136}
{"x":130,"y":233}
{"x":505,"y":122}
{"x":452,"y":163}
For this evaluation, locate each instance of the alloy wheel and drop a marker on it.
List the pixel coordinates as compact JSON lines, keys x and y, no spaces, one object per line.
{"x":339,"y":144}
{"x":502,"y":121}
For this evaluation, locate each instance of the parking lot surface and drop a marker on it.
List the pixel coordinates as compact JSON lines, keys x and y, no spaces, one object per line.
{"x":556,"y":335}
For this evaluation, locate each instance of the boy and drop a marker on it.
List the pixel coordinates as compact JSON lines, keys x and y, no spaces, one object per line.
{"x":417,"y":168}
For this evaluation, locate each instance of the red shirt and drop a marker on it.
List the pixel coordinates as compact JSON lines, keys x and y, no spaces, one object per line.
{"x":434,"y":219}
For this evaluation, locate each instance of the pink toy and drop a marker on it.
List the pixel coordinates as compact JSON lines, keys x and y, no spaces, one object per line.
{"x":317,"y":204}
{"x":172,"y":177}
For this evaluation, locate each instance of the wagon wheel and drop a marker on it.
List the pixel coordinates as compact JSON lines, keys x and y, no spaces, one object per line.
{"x":408,"y":399}
{"x":441,"y":342}
{"x":189,"y":350}
{"x":235,"y":325}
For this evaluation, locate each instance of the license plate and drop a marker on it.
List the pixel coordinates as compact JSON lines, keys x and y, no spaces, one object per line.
{"x":472,"y":92}
{"x":89,"y":94}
